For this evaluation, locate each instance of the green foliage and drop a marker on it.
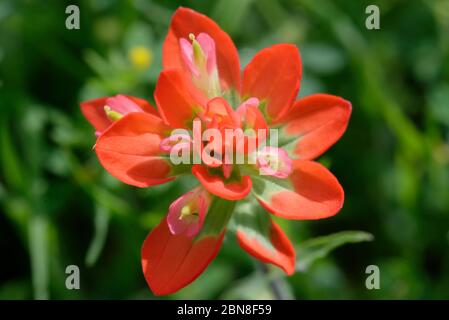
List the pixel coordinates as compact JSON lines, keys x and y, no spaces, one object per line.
{"x":259,"y":286}
{"x":101,"y":224}
{"x":317,"y":248}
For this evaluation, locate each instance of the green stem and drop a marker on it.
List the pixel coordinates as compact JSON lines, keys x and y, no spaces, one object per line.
{"x":273,"y":282}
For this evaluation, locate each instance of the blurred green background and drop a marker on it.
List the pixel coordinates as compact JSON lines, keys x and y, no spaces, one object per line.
{"x":58,"y":207}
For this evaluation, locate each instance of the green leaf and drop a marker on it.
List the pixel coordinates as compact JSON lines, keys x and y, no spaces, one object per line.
{"x":258,"y":286}
{"x":32,"y":133}
{"x":11,"y":168}
{"x":438,"y":98}
{"x":39,"y":246}
{"x":313,"y":249}
{"x":3,"y":192}
{"x":101,"y":224}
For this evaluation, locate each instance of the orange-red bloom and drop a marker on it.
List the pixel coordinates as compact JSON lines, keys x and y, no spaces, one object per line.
{"x":202,"y":81}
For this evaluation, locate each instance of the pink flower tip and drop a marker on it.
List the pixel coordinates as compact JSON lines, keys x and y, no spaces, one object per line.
{"x":122,"y":104}
{"x":187,"y":213}
{"x":275,"y":162}
{"x":199,"y":50}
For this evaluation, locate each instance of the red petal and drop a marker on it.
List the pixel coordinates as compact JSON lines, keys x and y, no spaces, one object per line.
{"x":315,"y":123}
{"x":316,"y":194}
{"x":186,"y":21}
{"x":253,"y":119}
{"x":282,"y":254}
{"x":224,"y":114}
{"x":130,"y":150}
{"x":93,"y":110}
{"x":178,"y":100}
{"x":234,"y":190}
{"x":171,"y":262}
{"x":144,"y":105}
{"x":273,"y":76}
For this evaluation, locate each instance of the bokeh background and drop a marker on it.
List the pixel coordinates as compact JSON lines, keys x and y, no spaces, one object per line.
{"x":58,"y":207}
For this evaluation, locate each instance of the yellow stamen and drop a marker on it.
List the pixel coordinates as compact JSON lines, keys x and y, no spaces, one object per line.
{"x":112,"y":115}
{"x":198,"y":54}
{"x":188,"y":214}
{"x":185,"y":211}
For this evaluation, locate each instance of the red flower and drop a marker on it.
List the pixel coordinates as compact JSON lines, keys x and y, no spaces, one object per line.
{"x":202,"y":83}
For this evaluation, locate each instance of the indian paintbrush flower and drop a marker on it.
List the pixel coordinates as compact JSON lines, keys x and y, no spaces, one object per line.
{"x":202,"y":81}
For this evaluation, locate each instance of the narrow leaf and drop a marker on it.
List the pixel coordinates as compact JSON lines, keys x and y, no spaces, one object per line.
{"x":313,"y":249}
{"x":38,"y":243}
{"x":257,"y":287}
{"x":101,"y":224}
{"x":10,"y":163}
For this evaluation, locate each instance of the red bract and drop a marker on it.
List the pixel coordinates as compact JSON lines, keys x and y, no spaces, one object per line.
{"x":202,"y":82}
